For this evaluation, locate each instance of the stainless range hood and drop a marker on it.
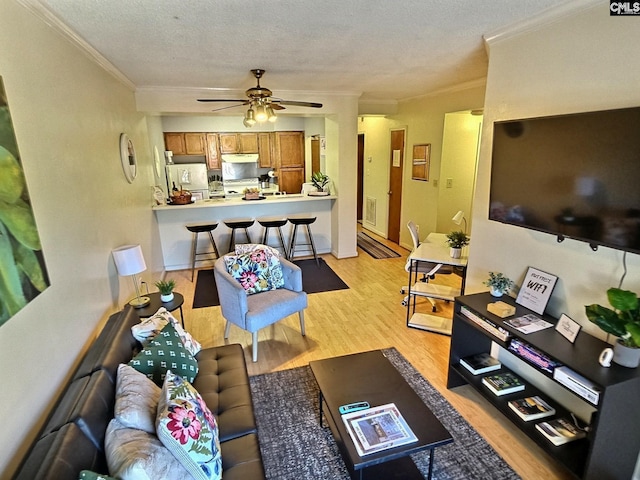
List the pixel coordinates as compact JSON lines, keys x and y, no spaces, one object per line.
{"x":239,"y":166}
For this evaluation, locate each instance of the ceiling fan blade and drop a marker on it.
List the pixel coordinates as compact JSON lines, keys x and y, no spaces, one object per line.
{"x":243,"y":101}
{"x":275,"y":106}
{"x":230,"y":106}
{"x":298,"y":104}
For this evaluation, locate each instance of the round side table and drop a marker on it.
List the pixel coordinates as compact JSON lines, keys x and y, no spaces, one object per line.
{"x":156,"y":303}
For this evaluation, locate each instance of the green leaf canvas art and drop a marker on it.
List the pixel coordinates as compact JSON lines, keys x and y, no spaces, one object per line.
{"x":23,"y":274}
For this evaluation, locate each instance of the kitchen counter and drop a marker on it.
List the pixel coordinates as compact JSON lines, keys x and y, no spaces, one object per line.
{"x":233,"y":202}
{"x":176,"y":239}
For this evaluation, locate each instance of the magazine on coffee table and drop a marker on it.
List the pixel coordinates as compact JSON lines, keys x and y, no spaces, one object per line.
{"x":378,"y":428}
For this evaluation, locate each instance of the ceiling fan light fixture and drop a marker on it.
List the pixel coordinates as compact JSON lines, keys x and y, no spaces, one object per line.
{"x":271,"y":114}
{"x":249,"y":118}
{"x":261,"y":114}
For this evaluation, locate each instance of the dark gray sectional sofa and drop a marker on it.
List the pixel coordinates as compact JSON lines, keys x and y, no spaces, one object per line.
{"x":73,"y":438}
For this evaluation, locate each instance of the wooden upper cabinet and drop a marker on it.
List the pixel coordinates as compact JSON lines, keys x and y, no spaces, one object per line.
{"x":181,"y":143}
{"x":195,"y":143}
{"x":248,"y":142}
{"x":238,"y":142}
{"x":175,"y":143}
{"x":228,"y":142}
{"x":289,"y":148}
{"x":264,"y":150}
{"x":213,"y":155}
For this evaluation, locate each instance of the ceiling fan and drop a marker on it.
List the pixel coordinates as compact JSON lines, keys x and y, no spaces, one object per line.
{"x":261,"y":102}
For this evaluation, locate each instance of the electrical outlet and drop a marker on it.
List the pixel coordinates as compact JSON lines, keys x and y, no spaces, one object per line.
{"x":449,"y":182}
{"x":435,"y":182}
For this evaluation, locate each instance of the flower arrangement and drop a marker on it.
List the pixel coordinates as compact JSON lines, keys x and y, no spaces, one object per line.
{"x":251,"y":193}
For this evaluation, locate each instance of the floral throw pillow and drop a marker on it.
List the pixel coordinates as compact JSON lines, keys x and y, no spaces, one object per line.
{"x":188,"y":429}
{"x":257,"y":271}
{"x":250,"y":247}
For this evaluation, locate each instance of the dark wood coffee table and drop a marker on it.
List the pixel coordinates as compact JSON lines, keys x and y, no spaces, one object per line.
{"x":370,"y":377}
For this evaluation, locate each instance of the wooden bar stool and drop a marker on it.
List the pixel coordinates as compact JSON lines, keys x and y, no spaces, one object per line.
{"x":197,"y":228}
{"x":274,"y":222}
{"x":302,"y":221}
{"x":235,"y":224}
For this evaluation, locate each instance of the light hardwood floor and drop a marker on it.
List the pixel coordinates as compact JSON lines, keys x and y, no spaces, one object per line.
{"x":369,"y":316}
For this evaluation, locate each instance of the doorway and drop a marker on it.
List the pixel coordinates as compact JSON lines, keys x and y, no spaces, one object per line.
{"x":396,"y":162}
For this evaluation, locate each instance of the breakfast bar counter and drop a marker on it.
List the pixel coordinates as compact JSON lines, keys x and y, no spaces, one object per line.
{"x":176,"y":239}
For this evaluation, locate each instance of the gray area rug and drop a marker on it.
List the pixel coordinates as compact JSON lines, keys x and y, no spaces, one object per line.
{"x":295,"y":447}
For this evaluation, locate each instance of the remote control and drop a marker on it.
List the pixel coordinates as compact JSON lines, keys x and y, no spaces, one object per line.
{"x":353,"y":407}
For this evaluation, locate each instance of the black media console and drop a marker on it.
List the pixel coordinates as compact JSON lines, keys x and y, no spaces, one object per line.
{"x":610,"y":449}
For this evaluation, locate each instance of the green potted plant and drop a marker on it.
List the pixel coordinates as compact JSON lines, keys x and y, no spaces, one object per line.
{"x":623,"y":321}
{"x":320,"y":180}
{"x":498,"y":284}
{"x":166,"y":289}
{"x":456,"y":240}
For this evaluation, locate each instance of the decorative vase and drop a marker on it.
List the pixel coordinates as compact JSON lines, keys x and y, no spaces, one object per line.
{"x":455,"y":252}
{"x":495,"y":292}
{"x":626,"y":356}
{"x":166,"y":298}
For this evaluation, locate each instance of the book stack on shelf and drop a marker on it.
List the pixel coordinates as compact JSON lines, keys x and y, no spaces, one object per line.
{"x":503,"y":383}
{"x":488,"y":325}
{"x":480,"y":363}
{"x":560,"y":431}
{"x":531,"y":408}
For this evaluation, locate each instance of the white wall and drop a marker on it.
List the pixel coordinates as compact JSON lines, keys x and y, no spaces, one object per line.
{"x":423,"y":118}
{"x":68,"y":115}
{"x":584,"y":61}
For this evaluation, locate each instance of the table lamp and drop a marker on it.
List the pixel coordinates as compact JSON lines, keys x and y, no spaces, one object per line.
{"x":458,"y":218}
{"x":130,"y":261}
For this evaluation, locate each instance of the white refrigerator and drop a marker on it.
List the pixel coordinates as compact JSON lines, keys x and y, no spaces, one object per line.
{"x":189,"y":176}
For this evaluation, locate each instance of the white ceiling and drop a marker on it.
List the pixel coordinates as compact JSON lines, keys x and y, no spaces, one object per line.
{"x":381,"y":50}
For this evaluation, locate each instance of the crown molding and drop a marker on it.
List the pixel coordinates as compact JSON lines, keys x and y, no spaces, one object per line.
{"x":549,"y":16}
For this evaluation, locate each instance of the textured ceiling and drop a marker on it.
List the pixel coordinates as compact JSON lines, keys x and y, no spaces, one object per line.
{"x":383,"y":50}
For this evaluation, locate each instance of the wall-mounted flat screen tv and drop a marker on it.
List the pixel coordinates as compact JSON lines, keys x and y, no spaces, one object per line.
{"x":575,"y":176}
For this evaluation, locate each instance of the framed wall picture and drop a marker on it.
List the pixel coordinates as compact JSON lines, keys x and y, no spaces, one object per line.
{"x":128,"y":158}
{"x":536,"y":290}
{"x":420,"y":162}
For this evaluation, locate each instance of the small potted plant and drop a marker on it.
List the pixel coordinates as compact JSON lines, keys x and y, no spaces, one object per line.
{"x":320,"y":180}
{"x":456,"y":240}
{"x":166,"y":289}
{"x":498,"y":284}
{"x":623,"y":322}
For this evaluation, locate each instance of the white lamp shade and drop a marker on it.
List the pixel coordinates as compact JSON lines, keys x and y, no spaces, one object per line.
{"x":457,"y":218}
{"x":129,"y":260}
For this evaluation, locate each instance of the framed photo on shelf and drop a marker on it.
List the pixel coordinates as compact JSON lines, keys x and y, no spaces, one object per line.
{"x":568,"y":328}
{"x":536,"y":290}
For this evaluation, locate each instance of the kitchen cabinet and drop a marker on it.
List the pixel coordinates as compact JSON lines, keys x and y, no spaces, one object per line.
{"x":290,"y":180}
{"x":213,"y":152}
{"x":288,"y":149}
{"x":238,"y":142}
{"x":182,"y":143}
{"x":265,"y":143}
